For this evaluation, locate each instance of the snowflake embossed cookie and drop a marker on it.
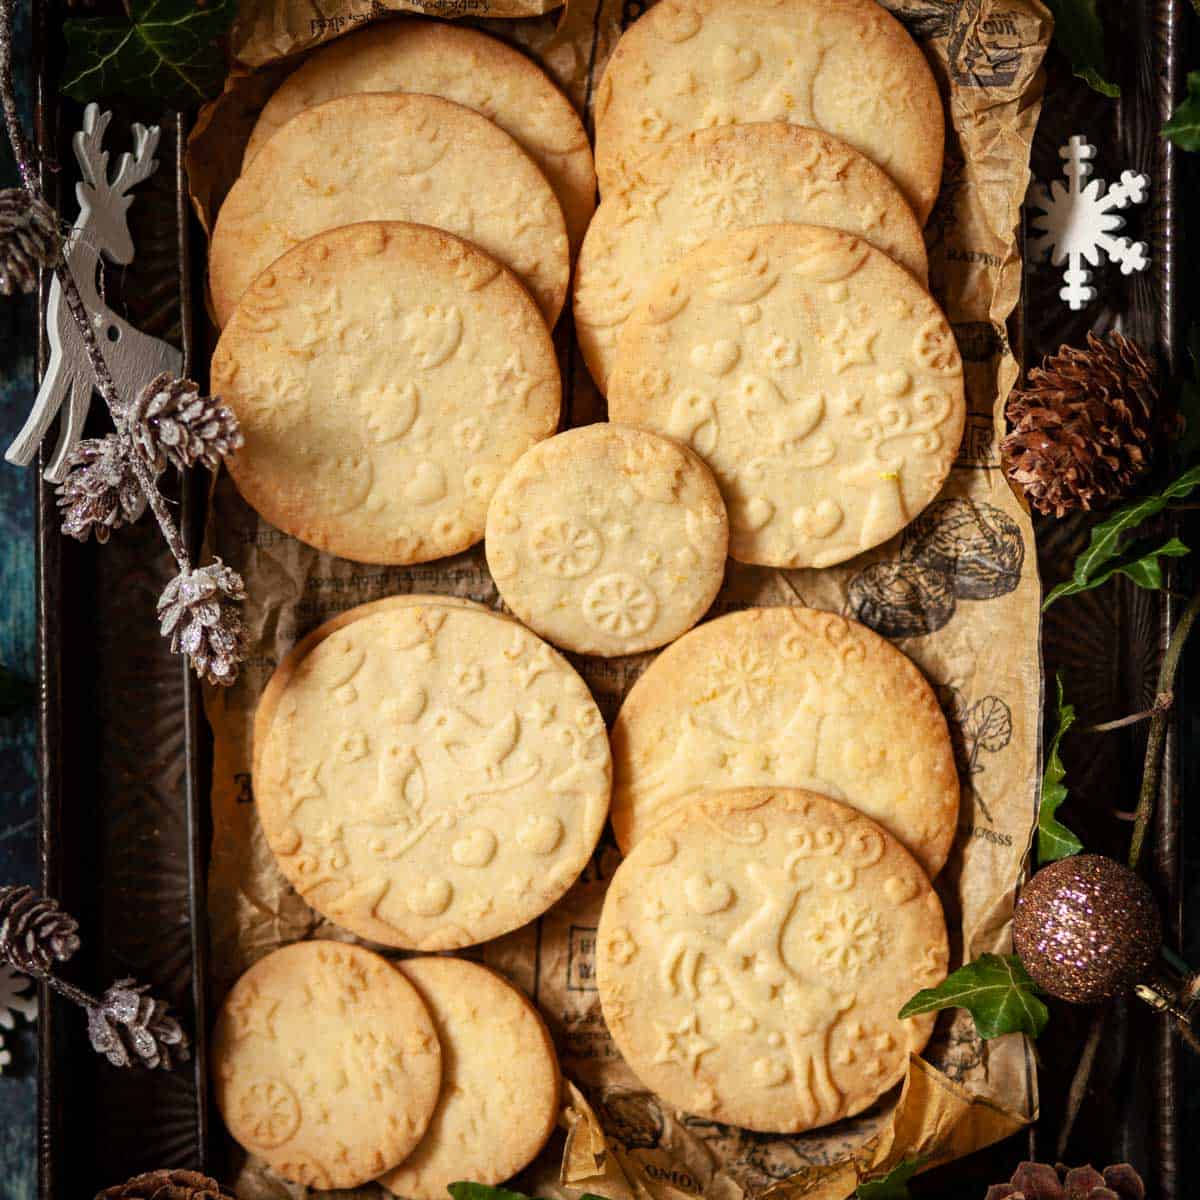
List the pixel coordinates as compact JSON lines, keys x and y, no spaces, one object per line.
{"x":607,"y":539}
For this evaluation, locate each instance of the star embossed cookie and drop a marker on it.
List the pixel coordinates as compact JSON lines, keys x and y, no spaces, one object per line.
{"x":433,"y":777}
{"x":607,"y":539}
{"x":460,"y":64}
{"x":713,"y":182}
{"x":816,"y":377}
{"x":787,"y":697}
{"x":844,"y":66}
{"x":499,"y":1099}
{"x":753,"y":953}
{"x":385,"y":377}
{"x":391,"y":157}
{"x":326,"y":1063}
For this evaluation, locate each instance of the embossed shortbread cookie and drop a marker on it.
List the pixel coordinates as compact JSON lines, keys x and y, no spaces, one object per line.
{"x":816,"y":377}
{"x":391,"y":157}
{"x":385,"y":377}
{"x":326,"y":1063}
{"x":844,"y":66}
{"x":458,"y":64}
{"x":608,"y":539}
{"x":433,"y":777}
{"x":787,"y":697}
{"x":716,"y":181}
{"x":754,"y":951}
{"x":499,"y":1099}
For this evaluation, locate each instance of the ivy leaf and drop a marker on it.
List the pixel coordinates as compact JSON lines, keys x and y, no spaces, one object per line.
{"x":1107,"y":554}
{"x":16,"y":693}
{"x":893,"y":1185}
{"x":166,"y":50}
{"x":995,"y":989}
{"x":1080,"y":36}
{"x":1055,"y":840}
{"x":1184,"y":126}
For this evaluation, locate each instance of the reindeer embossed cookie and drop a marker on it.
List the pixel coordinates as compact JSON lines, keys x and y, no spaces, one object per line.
{"x":391,"y":157}
{"x":433,"y":777}
{"x":787,"y":697}
{"x":385,"y":377}
{"x":608,"y":540}
{"x":844,"y":66}
{"x":326,"y":1063}
{"x":816,"y":377}
{"x":714,"y":182}
{"x":752,"y":955}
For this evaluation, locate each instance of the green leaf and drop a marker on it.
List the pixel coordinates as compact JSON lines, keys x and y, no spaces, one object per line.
{"x":1079,"y":34}
{"x":1106,"y":552}
{"x":893,"y":1185}
{"x":996,"y":990}
{"x":16,"y":693}
{"x":1184,"y":126}
{"x":166,"y":50}
{"x":1054,"y":839}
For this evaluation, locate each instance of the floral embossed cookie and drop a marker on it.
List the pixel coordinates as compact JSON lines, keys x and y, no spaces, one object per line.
{"x":500,"y":1082}
{"x":459,"y":64}
{"x":716,"y":181}
{"x":844,"y":66}
{"x":391,"y":157}
{"x":433,"y":777}
{"x":753,"y":953}
{"x":385,"y":377}
{"x":787,"y":697}
{"x":326,"y":1063}
{"x":607,"y":539}
{"x":817,"y":378}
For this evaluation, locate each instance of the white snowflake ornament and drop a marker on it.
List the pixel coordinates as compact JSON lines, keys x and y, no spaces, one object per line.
{"x":1079,"y":218}
{"x":13,"y":1003}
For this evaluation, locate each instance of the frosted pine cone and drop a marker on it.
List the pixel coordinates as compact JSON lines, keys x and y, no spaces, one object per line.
{"x":173,"y":423}
{"x":131,"y":1029}
{"x":167,"y":1185}
{"x":100,"y":493}
{"x":198,"y":615}
{"x":34,"y":932}
{"x":30,"y":238}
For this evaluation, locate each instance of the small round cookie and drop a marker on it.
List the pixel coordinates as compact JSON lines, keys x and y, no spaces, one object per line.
{"x":814,"y":375}
{"x":326,"y":1064}
{"x":716,"y":181}
{"x":754,"y":951}
{"x":608,"y":539}
{"x":385,"y":377}
{"x":787,"y":697}
{"x":433,"y":777}
{"x":845,"y":66}
{"x":500,"y":1081}
{"x":460,"y":64}
{"x":391,"y":157}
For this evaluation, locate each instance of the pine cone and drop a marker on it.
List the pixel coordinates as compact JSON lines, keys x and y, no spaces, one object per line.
{"x":167,"y":1185}
{"x":174,"y":424}
{"x":131,"y":1028}
{"x":34,"y":932}
{"x":100,"y":493}
{"x":30,"y":238}
{"x":197,"y":614}
{"x":1039,"y":1181}
{"x":1084,"y":426}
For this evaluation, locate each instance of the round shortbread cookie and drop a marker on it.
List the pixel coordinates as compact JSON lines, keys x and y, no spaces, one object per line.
{"x":754,"y":951}
{"x":433,"y":777}
{"x":787,"y":697}
{"x":459,"y":64}
{"x":714,"y":182}
{"x":500,"y":1082}
{"x":326,"y":1063}
{"x":385,"y":377}
{"x":816,"y":377}
{"x":844,"y":66}
{"x":607,"y":539}
{"x":391,"y":157}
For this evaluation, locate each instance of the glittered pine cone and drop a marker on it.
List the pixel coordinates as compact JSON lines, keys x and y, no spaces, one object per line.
{"x":198,"y":612}
{"x":1040,"y":1181}
{"x":1084,"y":425}
{"x":133,"y":1029}
{"x":173,"y":423}
{"x":101,"y":492}
{"x":167,"y":1185}
{"x":30,"y":239}
{"x":34,"y":932}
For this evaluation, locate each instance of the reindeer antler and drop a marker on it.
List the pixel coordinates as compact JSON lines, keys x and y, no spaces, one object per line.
{"x":139,"y":165}
{"x":132,"y":169}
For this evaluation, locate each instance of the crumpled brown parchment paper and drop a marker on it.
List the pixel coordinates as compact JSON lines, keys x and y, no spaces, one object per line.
{"x":958,"y":592}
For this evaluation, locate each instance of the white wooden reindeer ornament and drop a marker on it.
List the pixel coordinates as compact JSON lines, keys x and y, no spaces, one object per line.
{"x":133,"y":357}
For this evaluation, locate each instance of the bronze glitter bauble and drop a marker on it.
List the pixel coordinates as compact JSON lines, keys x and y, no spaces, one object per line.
{"x":1086,"y":928}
